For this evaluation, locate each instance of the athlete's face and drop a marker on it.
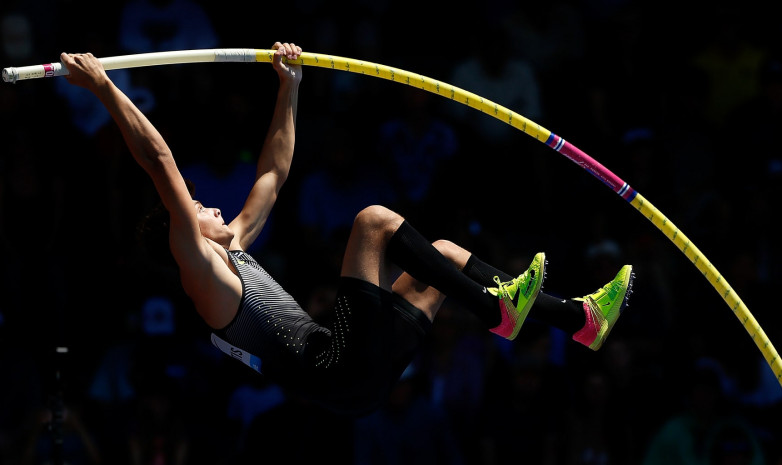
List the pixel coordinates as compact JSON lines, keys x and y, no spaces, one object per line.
{"x":212,"y":224}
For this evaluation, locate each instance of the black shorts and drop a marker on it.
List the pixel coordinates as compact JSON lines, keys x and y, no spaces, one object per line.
{"x":374,"y":335}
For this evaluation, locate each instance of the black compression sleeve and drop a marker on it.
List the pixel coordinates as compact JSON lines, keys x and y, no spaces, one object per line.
{"x":414,"y":254}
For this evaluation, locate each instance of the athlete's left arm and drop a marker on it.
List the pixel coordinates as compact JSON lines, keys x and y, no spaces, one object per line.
{"x":277,"y":153}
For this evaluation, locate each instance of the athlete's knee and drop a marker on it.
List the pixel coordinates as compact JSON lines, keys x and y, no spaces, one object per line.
{"x":378,"y":218}
{"x":445,"y":246}
{"x":456,"y":254}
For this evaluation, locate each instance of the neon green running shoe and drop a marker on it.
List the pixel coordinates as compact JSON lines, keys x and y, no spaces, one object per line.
{"x":517,"y":296}
{"x":603,"y":308}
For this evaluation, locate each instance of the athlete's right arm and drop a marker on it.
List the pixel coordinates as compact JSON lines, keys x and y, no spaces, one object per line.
{"x":152,"y":153}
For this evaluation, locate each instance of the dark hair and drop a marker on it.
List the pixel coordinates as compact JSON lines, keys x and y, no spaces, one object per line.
{"x":152,"y":232}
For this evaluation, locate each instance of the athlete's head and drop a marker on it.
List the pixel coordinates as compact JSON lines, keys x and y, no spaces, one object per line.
{"x":212,"y":224}
{"x":152,"y":232}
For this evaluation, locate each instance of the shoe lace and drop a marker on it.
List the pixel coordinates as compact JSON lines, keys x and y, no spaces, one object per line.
{"x":503,"y":286}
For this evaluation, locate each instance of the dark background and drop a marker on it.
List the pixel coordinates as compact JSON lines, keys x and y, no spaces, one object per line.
{"x":684,"y":102}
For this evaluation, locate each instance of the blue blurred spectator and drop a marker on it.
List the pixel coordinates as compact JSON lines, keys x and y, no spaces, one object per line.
{"x":525,"y":413}
{"x":21,"y":393}
{"x":345,"y":181}
{"x":454,"y":370}
{"x":731,"y":62}
{"x":18,"y":42}
{"x":416,"y":144}
{"x":165,"y":25}
{"x":409,"y":430}
{"x":147,"y":26}
{"x":505,"y":79}
{"x":75,"y":443}
{"x":707,"y":431}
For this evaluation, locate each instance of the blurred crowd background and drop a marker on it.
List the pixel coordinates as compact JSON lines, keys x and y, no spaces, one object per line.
{"x":683,"y":100}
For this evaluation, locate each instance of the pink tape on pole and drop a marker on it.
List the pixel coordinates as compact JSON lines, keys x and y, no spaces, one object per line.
{"x":592,"y":166}
{"x":48,"y":70}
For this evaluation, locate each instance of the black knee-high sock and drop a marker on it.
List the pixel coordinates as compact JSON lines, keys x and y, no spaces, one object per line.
{"x":412,"y":252}
{"x":565,"y":314}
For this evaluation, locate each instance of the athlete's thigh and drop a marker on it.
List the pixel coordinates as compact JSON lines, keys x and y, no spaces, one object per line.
{"x":365,"y":253}
{"x":422,"y":296}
